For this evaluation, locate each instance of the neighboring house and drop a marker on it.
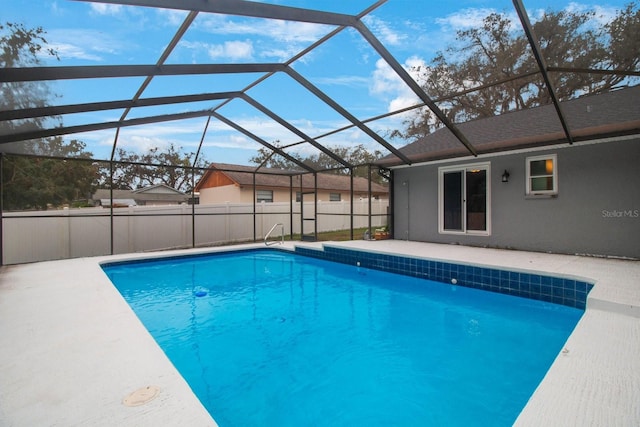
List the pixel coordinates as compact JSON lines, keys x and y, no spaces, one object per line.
{"x":234,"y":183}
{"x":153,"y":195}
{"x":528,"y":188}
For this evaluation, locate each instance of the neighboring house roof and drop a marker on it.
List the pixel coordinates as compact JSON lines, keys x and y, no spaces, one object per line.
{"x":591,"y":117}
{"x":158,"y":189}
{"x":277,"y":178}
{"x":152,"y":193}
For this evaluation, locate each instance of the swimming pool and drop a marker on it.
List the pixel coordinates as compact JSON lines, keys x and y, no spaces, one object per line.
{"x":266,"y":337}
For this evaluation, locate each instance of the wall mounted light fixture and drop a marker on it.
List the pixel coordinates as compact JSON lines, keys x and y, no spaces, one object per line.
{"x":505,"y":176}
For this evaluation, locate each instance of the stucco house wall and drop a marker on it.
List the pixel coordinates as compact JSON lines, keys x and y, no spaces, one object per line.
{"x":234,"y":183}
{"x":228,"y":193}
{"x":596,"y":211}
{"x":237,"y":194}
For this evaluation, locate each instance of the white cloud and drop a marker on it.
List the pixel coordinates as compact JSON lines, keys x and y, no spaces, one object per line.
{"x":603,"y":14}
{"x":384,"y":79}
{"x":222,"y":136}
{"x":141,"y":143}
{"x":342,"y":81}
{"x":279,"y":54}
{"x":172,"y":17}
{"x":142,"y":138}
{"x":271,"y":39}
{"x":318,"y":127}
{"x":86,"y":44}
{"x":472,"y":18}
{"x":56,"y":9}
{"x":231,"y":49}
{"x":230,"y":141}
{"x":384,"y":32}
{"x":222,"y":139}
{"x":298,"y":32}
{"x":283,"y":31}
{"x":69,"y":51}
{"x":464,"y":19}
{"x":388,"y":85}
{"x":106,"y":9}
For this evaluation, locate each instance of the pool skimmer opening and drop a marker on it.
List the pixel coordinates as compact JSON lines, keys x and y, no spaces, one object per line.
{"x":141,"y":396}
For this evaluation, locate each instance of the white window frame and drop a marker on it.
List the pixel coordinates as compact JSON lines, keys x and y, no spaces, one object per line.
{"x":333,"y":198}
{"x":260,"y":199}
{"x":463,"y":168}
{"x":541,"y":193}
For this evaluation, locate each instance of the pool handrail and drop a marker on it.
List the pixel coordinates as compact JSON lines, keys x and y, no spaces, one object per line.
{"x":269,"y":233}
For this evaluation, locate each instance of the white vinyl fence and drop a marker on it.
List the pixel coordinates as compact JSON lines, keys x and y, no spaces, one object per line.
{"x":73,"y":233}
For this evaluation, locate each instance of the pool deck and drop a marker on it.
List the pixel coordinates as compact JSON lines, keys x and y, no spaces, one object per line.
{"x":72,"y":349}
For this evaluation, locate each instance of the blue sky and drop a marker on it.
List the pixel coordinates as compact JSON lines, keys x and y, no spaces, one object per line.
{"x":345,"y":68}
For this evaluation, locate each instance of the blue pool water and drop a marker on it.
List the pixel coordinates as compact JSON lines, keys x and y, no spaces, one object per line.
{"x":269,"y":338}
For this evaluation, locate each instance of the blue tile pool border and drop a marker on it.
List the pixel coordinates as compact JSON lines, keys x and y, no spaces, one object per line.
{"x":557,"y":290}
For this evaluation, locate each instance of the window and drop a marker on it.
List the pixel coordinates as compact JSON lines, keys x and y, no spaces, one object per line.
{"x":264,"y":196}
{"x":542,"y":175}
{"x":298,"y":196}
{"x":464,"y":202}
{"x":334,"y":197}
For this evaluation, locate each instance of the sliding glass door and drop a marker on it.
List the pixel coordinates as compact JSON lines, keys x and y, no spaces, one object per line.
{"x":464,"y":199}
{"x":453,"y":200}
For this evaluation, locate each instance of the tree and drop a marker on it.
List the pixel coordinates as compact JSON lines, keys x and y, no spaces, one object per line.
{"x":170,"y":167}
{"x":270,"y":159}
{"x":357,"y":155}
{"x":495,"y":54}
{"x":21,"y":47}
{"x":43,"y":178}
{"x":624,"y":40}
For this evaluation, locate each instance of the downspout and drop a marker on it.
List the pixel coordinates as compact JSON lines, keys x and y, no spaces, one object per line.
{"x":406,"y":184}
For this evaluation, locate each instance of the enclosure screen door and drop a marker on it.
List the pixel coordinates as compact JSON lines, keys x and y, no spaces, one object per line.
{"x":308,"y":216}
{"x":464,"y":199}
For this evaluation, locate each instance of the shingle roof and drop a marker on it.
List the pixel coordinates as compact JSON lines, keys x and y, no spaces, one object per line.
{"x":277,"y":178}
{"x":143,"y":194}
{"x":590,"y":117}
